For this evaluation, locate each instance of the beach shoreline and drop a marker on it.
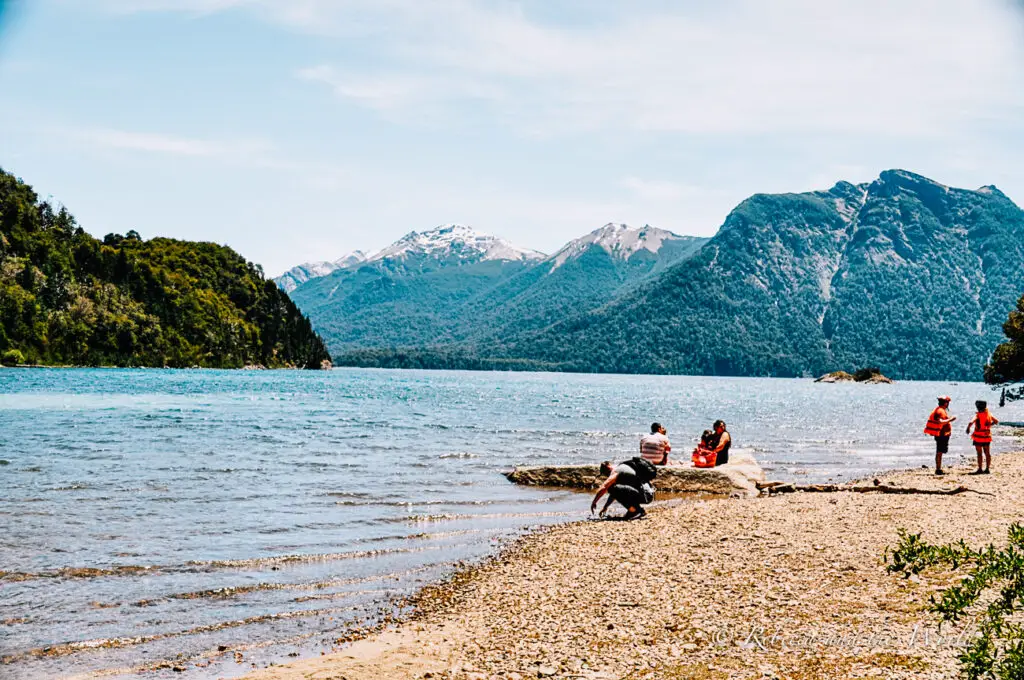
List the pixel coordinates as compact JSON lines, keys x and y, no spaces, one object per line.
{"x":790,"y":586}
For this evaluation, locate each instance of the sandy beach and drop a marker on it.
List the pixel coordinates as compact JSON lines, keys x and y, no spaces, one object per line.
{"x":791,"y":586}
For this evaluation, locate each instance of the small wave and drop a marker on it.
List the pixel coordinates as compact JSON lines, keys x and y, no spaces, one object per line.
{"x":300,"y":558}
{"x":66,"y":648}
{"x":449,"y":517}
{"x":460,"y":455}
{"x":407,"y":504}
{"x":234,"y":591}
{"x":204,"y":565}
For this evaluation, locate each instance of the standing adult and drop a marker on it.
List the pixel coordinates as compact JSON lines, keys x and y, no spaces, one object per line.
{"x":655,"y":447}
{"x":720,"y":443}
{"x":938,"y":426}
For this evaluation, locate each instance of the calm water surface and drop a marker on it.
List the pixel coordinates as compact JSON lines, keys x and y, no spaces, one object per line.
{"x":175,"y":517}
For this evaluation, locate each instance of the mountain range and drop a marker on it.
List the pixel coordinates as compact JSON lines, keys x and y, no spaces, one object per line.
{"x":453,"y":284}
{"x":903,"y":273}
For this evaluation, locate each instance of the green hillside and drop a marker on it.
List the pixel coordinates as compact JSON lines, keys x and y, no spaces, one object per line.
{"x":555,"y":290}
{"x":67,"y":298}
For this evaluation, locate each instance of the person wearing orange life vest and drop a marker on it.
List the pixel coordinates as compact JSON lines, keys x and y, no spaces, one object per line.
{"x":982,"y":437}
{"x":938,"y":426}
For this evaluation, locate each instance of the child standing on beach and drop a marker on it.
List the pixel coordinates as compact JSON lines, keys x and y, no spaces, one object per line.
{"x":938,"y":426}
{"x":982,"y":437}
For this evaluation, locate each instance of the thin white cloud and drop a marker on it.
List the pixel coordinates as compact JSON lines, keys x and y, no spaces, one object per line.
{"x":149,"y":142}
{"x":251,"y":154}
{"x":918,"y":68}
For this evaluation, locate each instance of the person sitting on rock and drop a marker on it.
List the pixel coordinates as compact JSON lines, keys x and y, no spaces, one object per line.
{"x":654,"y":447}
{"x":629,"y":483}
{"x":720,"y":443}
{"x":704,"y":455}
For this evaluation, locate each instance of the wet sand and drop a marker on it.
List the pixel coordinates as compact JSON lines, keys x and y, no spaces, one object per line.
{"x":792,"y":586}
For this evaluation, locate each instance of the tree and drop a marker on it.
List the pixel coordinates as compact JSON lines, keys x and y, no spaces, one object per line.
{"x":1006,"y":367}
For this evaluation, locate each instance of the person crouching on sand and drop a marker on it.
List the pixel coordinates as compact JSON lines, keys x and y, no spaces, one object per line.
{"x":629,"y":483}
{"x":938,"y":426}
{"x":654,"y":447}
{"x":982,"y":437}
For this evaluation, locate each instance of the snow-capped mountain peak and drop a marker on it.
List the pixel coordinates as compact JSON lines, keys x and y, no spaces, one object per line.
{"x":299,"y":274}
{"x":619,"y":240}
{"x":353,"y":258}
{"x":458,"y":241}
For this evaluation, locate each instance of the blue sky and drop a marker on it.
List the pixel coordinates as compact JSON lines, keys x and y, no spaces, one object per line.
{"x":297,"y":130}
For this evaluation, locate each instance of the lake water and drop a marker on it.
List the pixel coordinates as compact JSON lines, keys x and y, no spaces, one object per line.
{"x":227,"y":518}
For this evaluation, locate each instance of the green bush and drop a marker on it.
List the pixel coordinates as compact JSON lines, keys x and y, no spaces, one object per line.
{"x":12,"y":357}
{"x":866,"y":373}
{"x":992,"y":590}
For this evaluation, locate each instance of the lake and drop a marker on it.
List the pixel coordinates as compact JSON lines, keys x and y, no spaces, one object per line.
{"x":218,"y":519}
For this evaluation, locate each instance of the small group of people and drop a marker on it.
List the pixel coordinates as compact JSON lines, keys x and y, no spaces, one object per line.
{"x":629,"y":482}
{"x":712,"y":450}
{"x":940,"y":426}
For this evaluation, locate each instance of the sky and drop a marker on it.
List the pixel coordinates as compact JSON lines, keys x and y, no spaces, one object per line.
{"x":299,"y":130}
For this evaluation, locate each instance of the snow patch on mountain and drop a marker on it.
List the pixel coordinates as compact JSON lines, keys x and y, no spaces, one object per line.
{"x":299,"y":274}
{"x":619,"y":240}
{"x":455,"y":241}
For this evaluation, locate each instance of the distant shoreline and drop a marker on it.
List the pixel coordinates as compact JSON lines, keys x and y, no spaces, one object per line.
{"x":171,"y":368}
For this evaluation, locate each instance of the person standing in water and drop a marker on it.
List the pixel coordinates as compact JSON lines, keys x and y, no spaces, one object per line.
{"x":721,"y":442}
{"x":982,"y":437}
{"x":938,"y":426}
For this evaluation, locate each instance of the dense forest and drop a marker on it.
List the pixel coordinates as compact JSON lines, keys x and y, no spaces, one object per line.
{"x":67,"y":298}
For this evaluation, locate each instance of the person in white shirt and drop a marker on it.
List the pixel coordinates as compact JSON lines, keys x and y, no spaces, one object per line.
{"x":655,"y":447}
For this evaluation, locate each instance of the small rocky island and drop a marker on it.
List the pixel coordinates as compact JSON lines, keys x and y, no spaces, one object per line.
{"x":869,"y":376}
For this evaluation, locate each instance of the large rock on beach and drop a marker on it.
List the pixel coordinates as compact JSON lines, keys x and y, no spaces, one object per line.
{"x":739,"y":476}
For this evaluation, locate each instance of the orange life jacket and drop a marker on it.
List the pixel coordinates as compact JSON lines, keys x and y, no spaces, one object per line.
{"x":983,"y":429}
{"x":704,"y":458}
{"x":934,"y":428}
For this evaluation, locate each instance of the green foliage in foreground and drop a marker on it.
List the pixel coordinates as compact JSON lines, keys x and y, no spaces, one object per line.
{"x":992,"y":590}
{"x":1007,"y":364}
{"x":67,"y":298}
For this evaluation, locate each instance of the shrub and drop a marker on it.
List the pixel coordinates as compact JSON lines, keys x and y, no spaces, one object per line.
{"x":12,"y":357}
{"x":866,"y":373}
{"x":993,"y":576}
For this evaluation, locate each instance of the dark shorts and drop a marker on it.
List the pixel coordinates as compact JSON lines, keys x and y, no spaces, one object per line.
{"x":628,"y":496}
{"x":942,"y":444}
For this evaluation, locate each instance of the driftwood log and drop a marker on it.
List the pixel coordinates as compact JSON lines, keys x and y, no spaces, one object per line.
{"x":772,"y":488}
